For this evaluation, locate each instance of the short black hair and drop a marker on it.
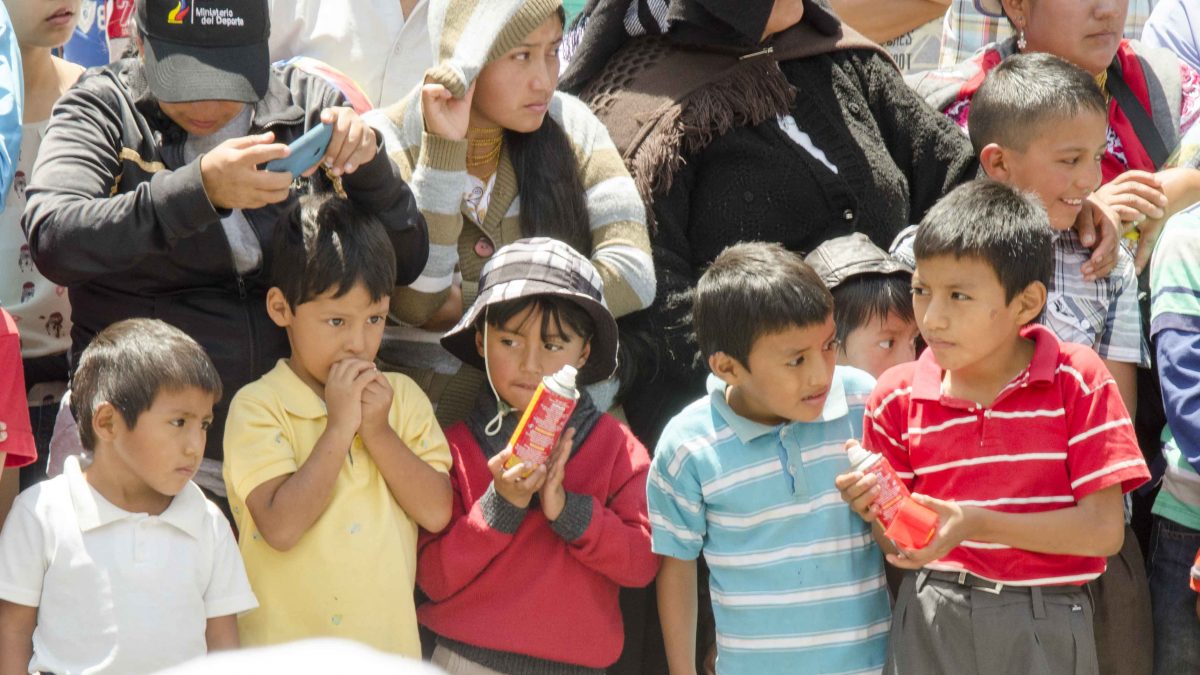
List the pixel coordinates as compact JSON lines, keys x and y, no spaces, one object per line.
{"x":556,"y":309}
{"x":1024,"y":92}
{"x":755,"y":289}
{"x":864,"y":297}
{"x":1007,"y":229}
{"x":129,"y":363}
{"x":326,"y":243}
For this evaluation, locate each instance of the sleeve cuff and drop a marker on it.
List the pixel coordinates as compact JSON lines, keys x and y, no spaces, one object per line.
{"x":500,"y":514}
{"x":180,"y":201}
{"x":575,"y":517}
{"x":442,"y":153}
{"x":237,"y":604}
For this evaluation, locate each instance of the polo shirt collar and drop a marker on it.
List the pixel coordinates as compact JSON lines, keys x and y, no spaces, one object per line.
{"x":748,"y":430}
{"x":187,"y":511}
{"x":927,"y":377}
{"x":296,"y":397}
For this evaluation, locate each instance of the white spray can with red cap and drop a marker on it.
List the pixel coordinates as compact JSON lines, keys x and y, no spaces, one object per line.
{"x":544,"y":419}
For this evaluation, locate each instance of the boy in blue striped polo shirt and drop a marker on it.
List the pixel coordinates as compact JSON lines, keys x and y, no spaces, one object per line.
{"x":746,"y":476}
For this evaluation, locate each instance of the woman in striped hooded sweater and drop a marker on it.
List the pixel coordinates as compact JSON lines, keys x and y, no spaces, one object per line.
{"x":493,"y":154}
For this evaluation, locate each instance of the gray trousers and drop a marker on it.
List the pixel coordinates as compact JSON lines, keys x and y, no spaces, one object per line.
{"x":946,"y":628}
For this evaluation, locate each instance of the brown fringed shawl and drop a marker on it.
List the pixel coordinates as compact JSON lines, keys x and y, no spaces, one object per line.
{"x":663,"y":101}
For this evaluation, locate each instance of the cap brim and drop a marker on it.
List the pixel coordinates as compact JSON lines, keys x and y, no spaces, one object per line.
{"x":601,"y":363}
{"x":184,"y":73}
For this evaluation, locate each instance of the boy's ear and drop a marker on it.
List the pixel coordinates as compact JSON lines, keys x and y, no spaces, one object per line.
{"x":479,"y":344}
{"x":725,"y":367}
{"x":278,"y":308}
{"x":994,"y":160}
{"x":1030,"y":302}
{"x":104,"y":421}
{"x":584,"y":355}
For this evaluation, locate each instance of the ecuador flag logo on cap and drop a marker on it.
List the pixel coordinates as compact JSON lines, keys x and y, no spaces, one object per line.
{"x":181,"y":10}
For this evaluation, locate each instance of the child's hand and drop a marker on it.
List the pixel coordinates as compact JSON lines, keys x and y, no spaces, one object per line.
{"x":344,"y":394}
{"x":554,"y":497}
{"x":954,"y":525}
{"x":376,"y":403}
{"x":510,"y":485}
{"x":859,"y":490}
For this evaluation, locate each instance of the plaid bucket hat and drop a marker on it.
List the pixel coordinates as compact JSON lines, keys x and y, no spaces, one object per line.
{"x":841,"y":258}
{"x":541,"y":266}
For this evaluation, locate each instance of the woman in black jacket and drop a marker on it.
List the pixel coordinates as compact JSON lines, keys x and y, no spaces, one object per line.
{"x":755,"y":120}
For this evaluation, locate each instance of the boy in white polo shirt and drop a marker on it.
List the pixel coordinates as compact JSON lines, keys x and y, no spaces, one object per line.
{"x":125,"y":567}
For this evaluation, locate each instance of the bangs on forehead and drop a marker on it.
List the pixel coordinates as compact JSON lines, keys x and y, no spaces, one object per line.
{"x":569,"y":319}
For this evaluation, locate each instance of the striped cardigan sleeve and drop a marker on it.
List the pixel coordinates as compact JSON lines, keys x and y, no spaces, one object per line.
{"x":436,"y":170}
{"x":617,"y":215}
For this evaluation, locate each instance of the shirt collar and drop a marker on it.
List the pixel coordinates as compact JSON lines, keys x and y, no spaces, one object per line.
{"x":296,"y":397}
{"x":186,"y":512}
{"x":748,"y":430}
{"x":927,"y":378}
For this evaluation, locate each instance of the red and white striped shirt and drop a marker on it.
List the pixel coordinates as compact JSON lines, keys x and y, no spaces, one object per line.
{"x":1055,"y":434}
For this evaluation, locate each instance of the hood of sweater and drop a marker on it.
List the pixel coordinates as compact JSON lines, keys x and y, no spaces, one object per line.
{"x":719,"y":23}
{"x":468,"y":34}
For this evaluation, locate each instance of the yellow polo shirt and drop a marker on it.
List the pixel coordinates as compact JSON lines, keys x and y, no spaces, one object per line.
{"x":351,"y":575}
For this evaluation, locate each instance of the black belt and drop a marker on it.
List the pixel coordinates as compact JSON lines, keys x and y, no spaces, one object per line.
{"x":971,"y":581}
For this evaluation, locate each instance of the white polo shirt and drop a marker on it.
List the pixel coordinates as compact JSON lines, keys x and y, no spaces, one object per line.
{"x":118,"y":592}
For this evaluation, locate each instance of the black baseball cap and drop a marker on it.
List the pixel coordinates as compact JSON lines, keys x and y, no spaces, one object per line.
{"x":204,"y":50}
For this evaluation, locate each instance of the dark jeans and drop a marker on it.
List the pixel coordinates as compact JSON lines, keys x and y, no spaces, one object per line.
{"x":42,"y":419}
{"x":1176,"y":629}
{"x":53,"y":368}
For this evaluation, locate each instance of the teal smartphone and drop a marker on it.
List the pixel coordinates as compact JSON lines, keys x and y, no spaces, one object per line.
{"x":305,"y":151}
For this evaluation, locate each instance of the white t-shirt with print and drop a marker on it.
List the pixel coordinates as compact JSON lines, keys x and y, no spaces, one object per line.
{"x":39,"y":306}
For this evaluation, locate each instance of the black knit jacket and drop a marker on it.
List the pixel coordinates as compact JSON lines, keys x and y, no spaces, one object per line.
{"x":895,"y":157}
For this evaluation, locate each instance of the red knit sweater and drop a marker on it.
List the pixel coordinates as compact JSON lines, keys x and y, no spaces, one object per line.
{"x":532,"y":592}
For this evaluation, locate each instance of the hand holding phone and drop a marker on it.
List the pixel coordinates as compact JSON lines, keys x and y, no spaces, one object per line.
{"x":304,"y":152}
{"x":233,"y":177}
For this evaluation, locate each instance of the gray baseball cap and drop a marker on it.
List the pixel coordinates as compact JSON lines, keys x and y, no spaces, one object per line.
{"x":841,"y":258}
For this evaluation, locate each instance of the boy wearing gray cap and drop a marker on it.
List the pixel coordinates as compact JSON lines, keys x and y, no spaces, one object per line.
{"x":872,"y":303}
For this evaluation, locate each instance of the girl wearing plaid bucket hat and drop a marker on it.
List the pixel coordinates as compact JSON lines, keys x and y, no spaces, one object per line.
{"x":577,"y":526}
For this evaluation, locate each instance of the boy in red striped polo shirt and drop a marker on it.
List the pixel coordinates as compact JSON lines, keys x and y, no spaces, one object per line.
{"x":1019,"y":442}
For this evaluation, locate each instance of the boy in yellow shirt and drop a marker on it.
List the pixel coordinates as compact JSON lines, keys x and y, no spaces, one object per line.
{"x":330,"y":464}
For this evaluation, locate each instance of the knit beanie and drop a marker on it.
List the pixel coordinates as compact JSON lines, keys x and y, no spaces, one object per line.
{"x":468,"y":34}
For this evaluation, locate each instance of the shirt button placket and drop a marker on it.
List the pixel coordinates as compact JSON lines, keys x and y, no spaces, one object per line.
{"x":139,"y":540}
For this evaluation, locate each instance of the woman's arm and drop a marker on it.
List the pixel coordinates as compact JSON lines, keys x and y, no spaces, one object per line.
{"x":435,"y":168}
{"x":77,"y":227}
{"x":887,"y":21}
{"x":616,"y":213}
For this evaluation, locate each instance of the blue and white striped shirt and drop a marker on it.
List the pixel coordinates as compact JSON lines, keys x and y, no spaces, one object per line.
{"x":796,"y":579}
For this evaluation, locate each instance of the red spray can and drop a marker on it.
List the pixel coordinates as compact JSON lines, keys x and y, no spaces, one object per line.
{"x":544,"y":419}
{"x":905,"y":522}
